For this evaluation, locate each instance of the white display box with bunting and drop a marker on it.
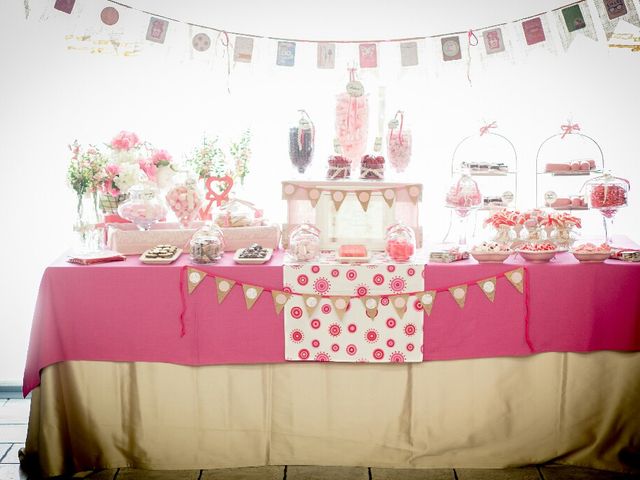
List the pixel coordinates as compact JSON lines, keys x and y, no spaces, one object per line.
{"x":352,"y":212}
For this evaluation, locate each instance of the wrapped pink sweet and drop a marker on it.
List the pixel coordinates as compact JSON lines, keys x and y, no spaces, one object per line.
{"x":184,"y":201}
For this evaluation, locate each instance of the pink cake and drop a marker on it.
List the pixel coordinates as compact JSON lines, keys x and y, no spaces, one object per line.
{"x":352,"y":251}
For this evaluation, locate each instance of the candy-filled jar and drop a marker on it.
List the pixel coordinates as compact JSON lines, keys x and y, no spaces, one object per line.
{"x":302,"y":142}
{"x":207,"y":244}
{"x":399,"y":142}
{"x":338,"y":168}
{"x":304,"y":243}
{"x":372,"y":167}
{"x":184,"y":200}
{"x":352,"y":119}
{"x":400,"y":242}
{"x":464,"y":195}
{"x":239,"y":213}
{"x":143,"y":208}
{"x":607,"y":194}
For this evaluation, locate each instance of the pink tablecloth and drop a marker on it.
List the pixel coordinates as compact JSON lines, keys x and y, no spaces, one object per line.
{"x":127,"y":311}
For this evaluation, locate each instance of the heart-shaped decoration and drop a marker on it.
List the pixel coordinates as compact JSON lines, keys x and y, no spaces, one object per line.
{"x":214,"y":185}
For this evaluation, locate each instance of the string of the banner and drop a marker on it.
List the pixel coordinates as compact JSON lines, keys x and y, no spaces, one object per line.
{"x":307,"y":40}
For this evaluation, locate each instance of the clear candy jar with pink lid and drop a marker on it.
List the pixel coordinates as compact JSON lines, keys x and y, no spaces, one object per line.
{"x":143,"y":208}
{"x":400,"y":242}
{"x":304,"y":243}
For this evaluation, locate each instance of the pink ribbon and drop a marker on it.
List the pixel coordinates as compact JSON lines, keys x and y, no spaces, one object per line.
{"x":485,"y":129}
{"x":399,"y":112}
{"x":568,"y":129}
{"x":471,"y":35}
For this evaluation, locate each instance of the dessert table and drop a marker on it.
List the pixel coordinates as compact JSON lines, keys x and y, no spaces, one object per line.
{"x":118,"y":378}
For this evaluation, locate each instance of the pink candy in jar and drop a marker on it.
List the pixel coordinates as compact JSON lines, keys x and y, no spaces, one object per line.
{"x":352,"y":119}
{"x":184,"y":201}
{"x":400,"y":242}
{"x":464,"y":193}
{"x":304,"y":243}
{"x":607,"y":196}
{"x":143,"y":207}
{"x":399,"y":143}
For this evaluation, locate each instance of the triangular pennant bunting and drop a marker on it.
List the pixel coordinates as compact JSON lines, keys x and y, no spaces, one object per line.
{"x":311,"y":302}
{"x":516,"y":277}
{"x":414,"y":192}
{"x":314,"y":196}
{"x":389,"y":196}
{"x":223,"y":287}
{"x":340,"y":304}
{"x":280,"y":299}
{"x":371,"y":306}
{"x":488,"y":287}
{"x":427,"y":299}
{"x":364,"y":198}
{"x":459,"y":294}
{"x":337,"y":198}
{"x":399,"y":303}
{"x":288,"y":190}
{"x":194,"y":277}
{"x":251,"y":294}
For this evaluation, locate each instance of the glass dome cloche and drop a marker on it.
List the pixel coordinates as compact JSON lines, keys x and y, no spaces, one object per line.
{"x":304,"y":243}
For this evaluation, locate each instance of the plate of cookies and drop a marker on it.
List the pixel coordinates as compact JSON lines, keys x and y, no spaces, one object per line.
{"x":161,"y":255}
{"x":253,"y":255}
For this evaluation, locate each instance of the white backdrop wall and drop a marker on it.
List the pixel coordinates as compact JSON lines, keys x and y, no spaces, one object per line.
{"x":50,"y":96}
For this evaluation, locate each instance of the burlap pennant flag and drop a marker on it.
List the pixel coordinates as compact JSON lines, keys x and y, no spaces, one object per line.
{"x":516,"y":277}
{"x":389,"y":196}
{"x":223,"y":287}
{"x":399,"y":303}
{"x":488,"y":287}
{"x":371,"y":306}
{"x":251,"y":294}
{"x":414,"y":192}
{"x":314,"y":196}
{"x":427,"y":299}
{"x":280,"y":299}
{"x":340,"y":304}
{"x":337,"y":198}
{"x":311,"y":302}
{"x":194,"y":277}
{"x":288,"y":190}
{"x":459,"y":294}
{"x":364,"y":198}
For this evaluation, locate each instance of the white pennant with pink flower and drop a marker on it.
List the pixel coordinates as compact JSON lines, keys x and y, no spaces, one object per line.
{"x":323,"y":336}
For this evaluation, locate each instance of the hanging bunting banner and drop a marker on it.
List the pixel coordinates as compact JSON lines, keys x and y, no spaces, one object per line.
{"x":286,"y":54}
{"x":516,"y":277}
{"x":223,"y":287}
{"x":493,"y":42}
{"x":427,"y":299}
{"x":451,"y":48}
{"x":326,"y":55}
{"x":371,"y":306}
{"x":459,"y":294}
{"x":280,"y":299}
{"x":243,"y":49}
{"x":533,"y":31}
{"x":337,"y":198}
{"x":399,"y":303}
{"x":488,"y":287}
{"x":574,"y":20}
{"x":194,"y":277}
{"x":364,"y":198}
{"x":157,"y":30}
{"x":109,"y":16}
{"x":409,"y":54}
{"x":201,"y":42}
{"x":389,"y":197}
{"x":65,"y":6}
{"x":311,"y":303}
{"x":251,"y":294}
{"x":340,"y":304}
{"x":368,"y":55}
{"x":612,"y":11}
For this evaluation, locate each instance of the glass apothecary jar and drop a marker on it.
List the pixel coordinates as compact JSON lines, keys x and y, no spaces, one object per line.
{"x":144,"y":207}
{"x":301,"y":142}
{"x":207,"y":244}
{"x":184,"y":200}
{"x":304,"y":243}
{"x":607,"y":194}
{"x":400,"y":242}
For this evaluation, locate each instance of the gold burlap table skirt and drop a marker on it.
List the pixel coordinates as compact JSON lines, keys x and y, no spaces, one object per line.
{"x":581,"y":409}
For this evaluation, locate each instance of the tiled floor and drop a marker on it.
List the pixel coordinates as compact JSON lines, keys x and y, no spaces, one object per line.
{"x":13,"y":430}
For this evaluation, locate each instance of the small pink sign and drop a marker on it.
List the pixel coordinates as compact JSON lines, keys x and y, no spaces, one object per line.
{"x":368,"y":55}
{"x":533,"y":31}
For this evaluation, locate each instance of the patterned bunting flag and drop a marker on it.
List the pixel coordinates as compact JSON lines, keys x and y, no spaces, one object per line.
{"x":371,"y":306}
{"x":311,"y":302}
{"x":65,"y":6}
{"x":451,"y":48}
{"x":157,"y":30}
{"x":251,"y":294}
{"x":368,"y":55}
{"x":223,"y":287}
{"x":288,"y":190}
{"x":399,"y":303}
{"x":612,"y":11}
{"x":340,"y":304}
{"x":427,"y":299}
{"x":280,"y":299}
{"x":326,"y":55}
{"x":194,"y":277}
{"x":516,"y":277}
{"x":243,"y":49}
{"x":286,"y":54}
{"x":459,"y":294}
{"x":338,"y":197}
{"x":389,"y":196}
{"x":314,"y":196}
{"x":364,"y":198}
{"x":488,"y":287}
{"x":415,"y":192}
{"x":575,"y":20}
{"x":409,"y":54}
{"x":493,"y":42}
